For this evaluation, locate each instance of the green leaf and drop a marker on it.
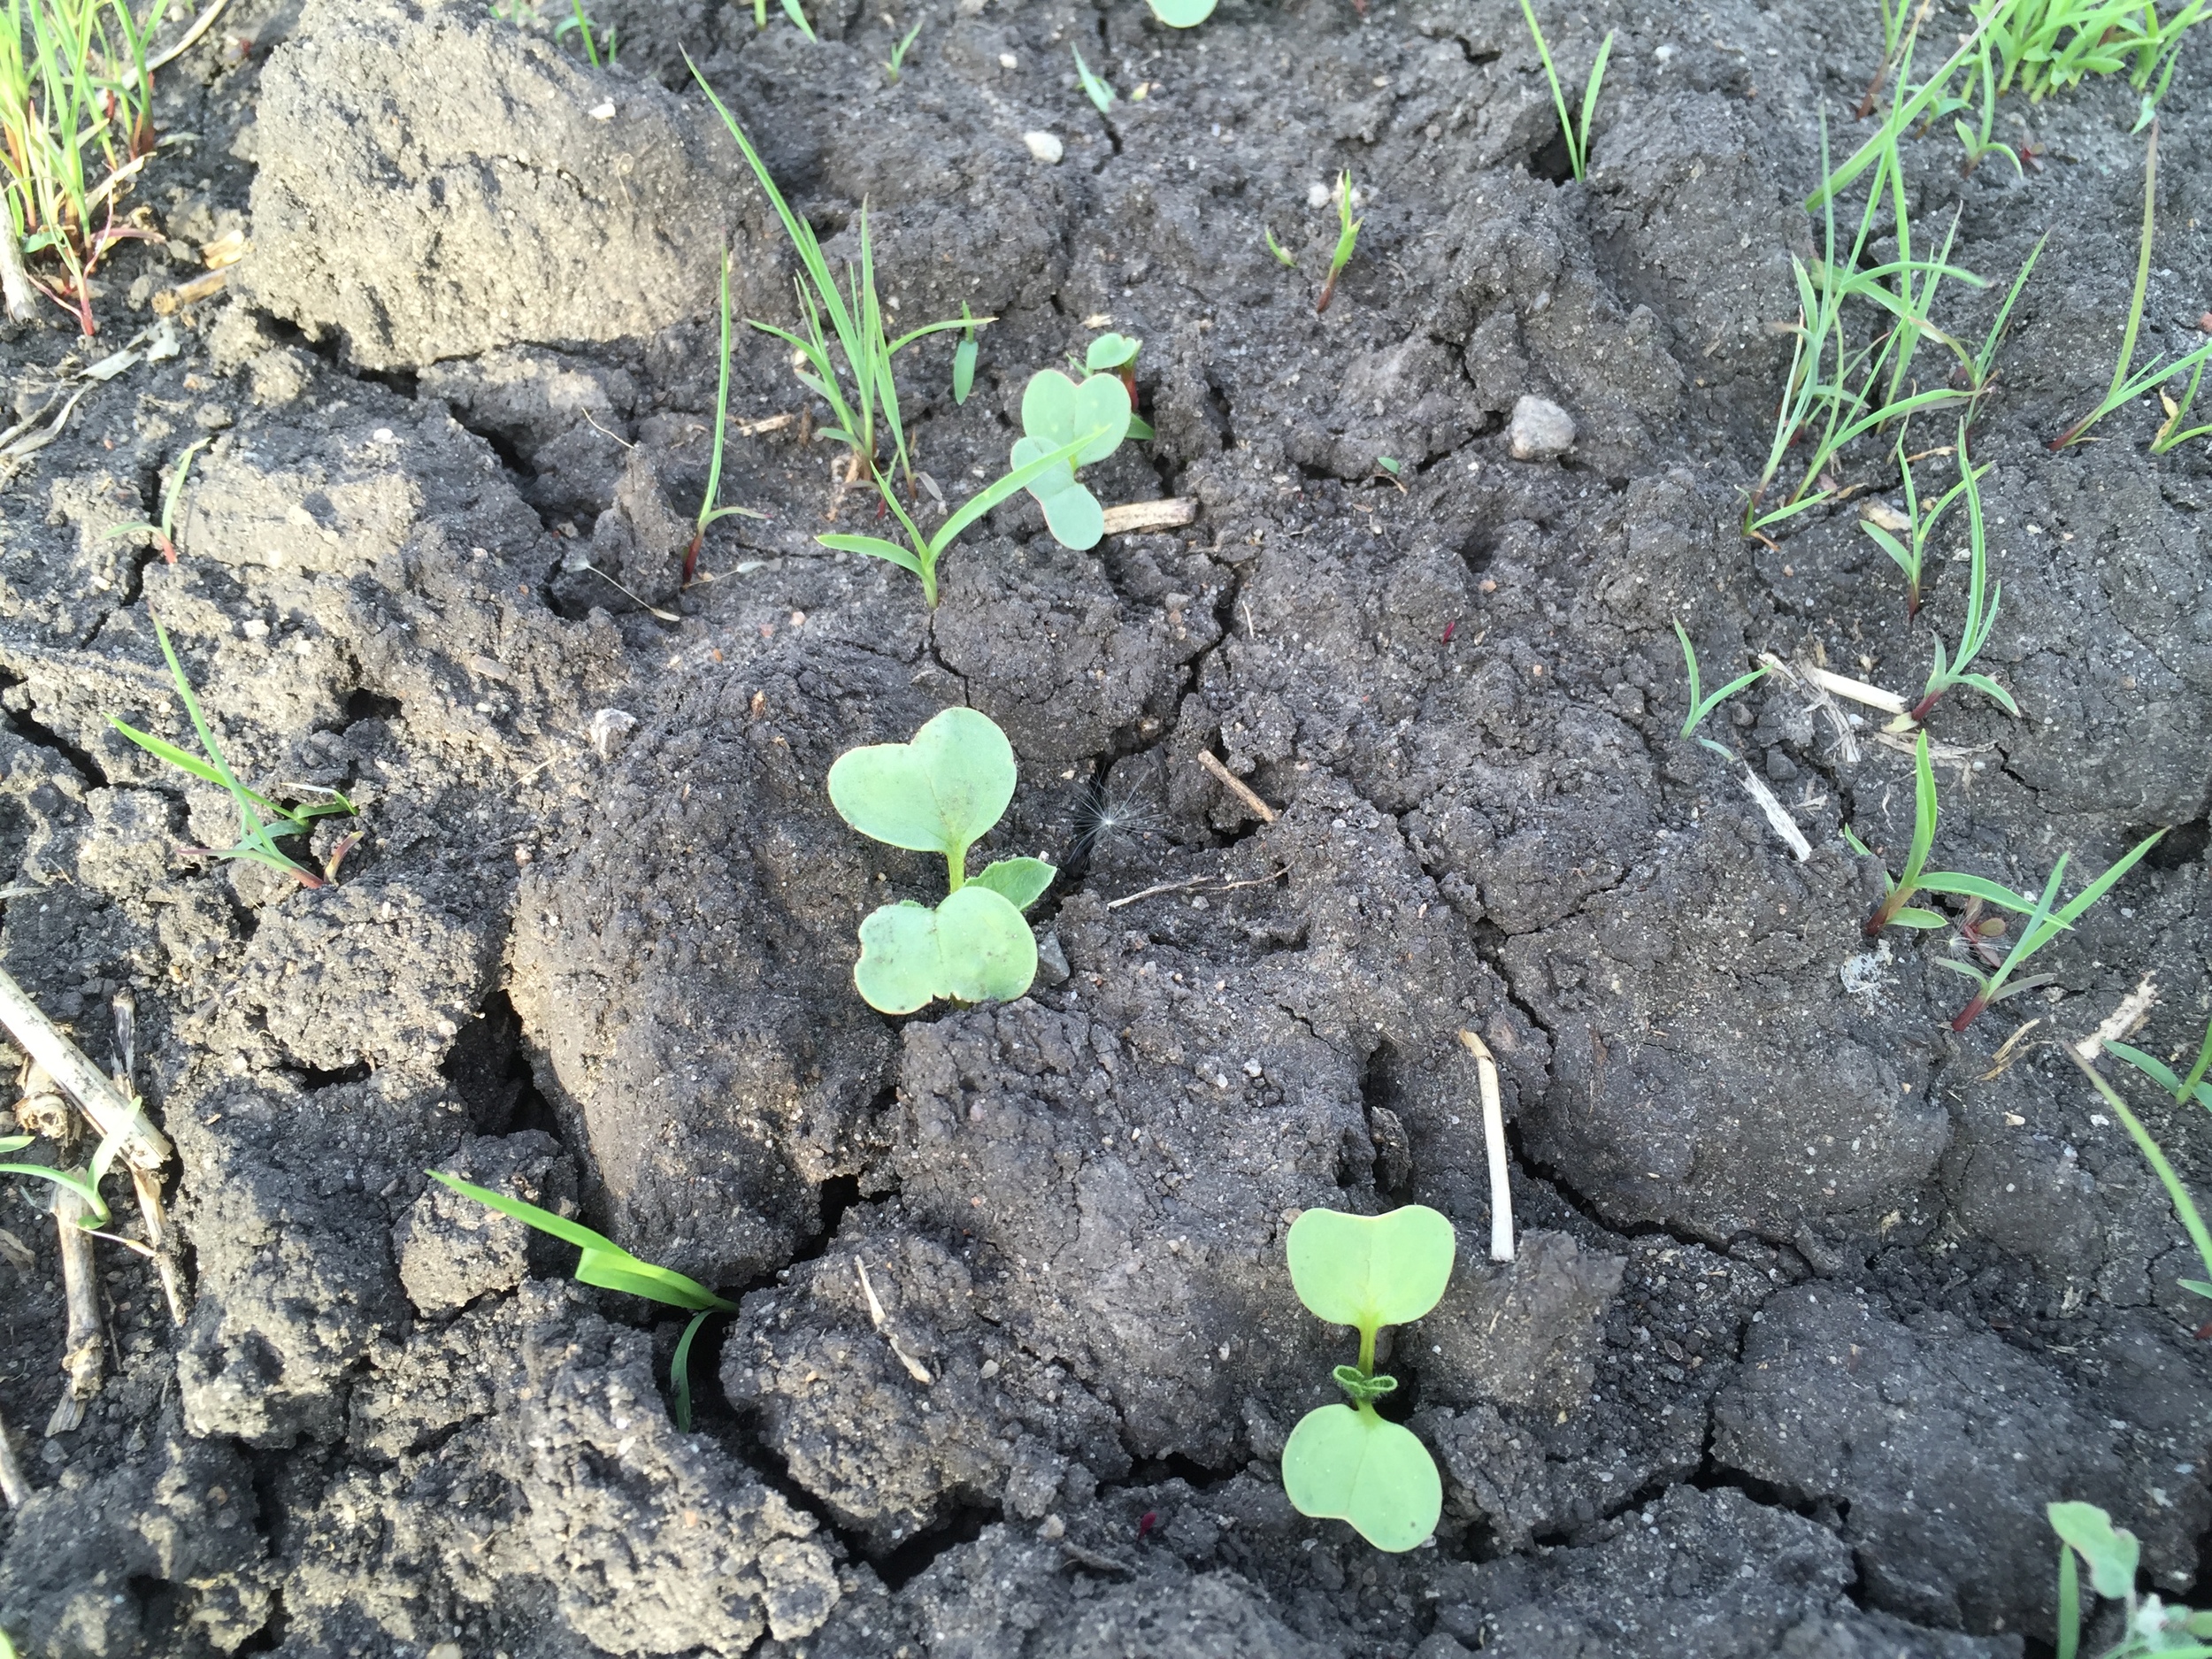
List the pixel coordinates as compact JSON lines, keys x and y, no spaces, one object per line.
{"x":1975,"y":888}
{"x":1074,"y":517}
{"x":1342,"y":1464}
{"x":1020,"y":881}
{"x":939,"y":792}
{"x":2196,"y":1286}
{"x":796,"y":12}
{"x":1111,"y":351}
{"x":876,"y":548}
{"x":604,"y":1262}
{"x":2112,"y":1552}
{"x":963,"y":371}
{"x":1371,"y":1271}
{"x":1058,"y":411}
{"x":973,"y":948}
{"x":75,"y":1180}
{"x":1049,"y":480}
{"x":1182,"y":14}
{"x":1912,"y":916}
{"x":14,"y":1143}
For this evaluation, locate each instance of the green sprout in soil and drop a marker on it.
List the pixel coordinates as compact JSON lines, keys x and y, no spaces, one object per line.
{"x":1056,"y":410}
{"x":1117,"y":354}
{"x":1347,"y":1462}
{"x":1347,"y":239}
{"x":608,"y":1265}
{"x":1576,"y":136}
{"x":792,"y":9}
{"x":708,"y":511}
{"x":1977,"y":368}
{"x":1283,"y":256}
{"x":84,"y":1182}
{"x":1896,"y":908}
{"x":2182,"y":1088}
{"x":2126,"y":388}
{"x":2086,"y":1537}
{"x":940,"y":794}
{"x":2043,"y":924}
{"x":1182,"y":14}
{"x":963,"y":357}
{"x":2052,"y":45}
{"x":894,"y":63}
{"x":1911,"y":555}
{"x":1980,"y":619}
{"x":1701,"y":705}
{"x":579,"y":25}
{"x":2176,"y":1191}
{"x":76,"y":126}
{"x":258,"y":840}
{"x":165,"y":533}
{"x":1097,"y":91}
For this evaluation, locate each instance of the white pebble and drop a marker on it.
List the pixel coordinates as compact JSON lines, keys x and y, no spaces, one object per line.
{"x":1045,"y":147}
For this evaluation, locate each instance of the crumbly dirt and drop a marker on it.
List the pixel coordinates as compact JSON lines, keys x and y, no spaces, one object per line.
{"x":1816,"y":1304}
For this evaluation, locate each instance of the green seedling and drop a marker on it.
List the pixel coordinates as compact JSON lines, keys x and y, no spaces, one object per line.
{"x":76,"y":127}
{"x":922,"y":557}
{"x":609,"y":1266}
{"x":1896,"y":909}
{"x":1055,"y":410}
{"x":1979,"y":140}
{"x":896,"y":61}
{"x":2043,"y":924}
{"x":165,"y":533}
{"x":2171,"y":433}
{"x":2052,"y":45}
{"x":1182,"y":14}
{"x":1347,"y":239}
{"x":963,"y":357}
{"x":1980,"y":619}
{"x":1117,"y":353}
{"x":579,"y":23}
{"x":258,"y":840}
{"x":2182,"y":1088}
{"x":708,"y":509}
{"x":84,"y":1182}
{"x":2126,"y":388}
{"x":1097,"y":91}
{"x":1283,"y":256}
{"x":1576,"y":136}
{"x":941,"y":793}
{"x":2176,"y":1191}
{"x":1346,"y":1462}
{"x":1701,"y":705}
{"x":2113,"y":1555}
{"x":1911,"y":556}
{"x":1978,"y":368}
{"x":792,"y":9}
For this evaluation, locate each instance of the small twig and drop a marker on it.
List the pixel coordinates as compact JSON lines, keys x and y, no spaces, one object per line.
{"x":1493,"y":1135}
{"x":2000,"y":1062}
{"x":13,"y":1487}
{"x":85,"y":1358}
{"x":1195,"y":881}
{"x":604,"y":432}
{"x":161,"y":1244}
{"x":1778,"y":816}
{"x":1856,"y":690}
{"x":2122,"y":1022}
{"x":1170,"y":514}
{"x":1847,"y":740}
{"x":914,"y":1369}
{"x":170,"y":301}
{"x":206,"y":22}
{"x":768,"y":423}
{"x":141,"y":1145}
{"x":1236,"y":787}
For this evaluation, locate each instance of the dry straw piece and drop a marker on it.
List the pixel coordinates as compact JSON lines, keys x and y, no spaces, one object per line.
{"x":1494,"y":1137}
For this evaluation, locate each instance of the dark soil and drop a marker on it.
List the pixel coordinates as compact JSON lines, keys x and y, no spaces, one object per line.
{"x":1817,"y":1305}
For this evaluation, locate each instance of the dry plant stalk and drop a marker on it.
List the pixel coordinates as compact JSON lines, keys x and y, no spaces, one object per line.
{"x":14,"y":1489}
{"x":1494,"y":1136}
{"x":85,"y":1358}
{"x":141,"y":1145}
{"x":1236,"y":787}
{"x":914,"y":1369}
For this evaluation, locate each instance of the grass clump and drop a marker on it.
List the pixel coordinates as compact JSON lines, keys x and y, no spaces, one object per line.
{"x":1980,"y":616}
{"x":1344,"y":1463}
{"x":941,"y":793}
{"x":1700,"y":704}
{"x":85,"y":1181}
{"x":1911,"y":555}
{"x":1896,"y":909}
{"x":609,"y":1266}
{"x":1347,"y":239}
{"x":76,"y":125}
{"x":263,"y":822}
{"x":896,"y":64}
{"x":1576,"y":136}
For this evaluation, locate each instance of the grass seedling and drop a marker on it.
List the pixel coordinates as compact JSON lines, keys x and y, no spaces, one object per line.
{"x":1346,"y":1462}
{"x":2177,"y":1192}
{"x":2182,"y":1088}
{"x":258,"y":840}
{"x":963,"y":357}
{"x":608,"y":1265}
{"x":1911,"y":556}
{"x":941,"y":793}
{"x":84,"y":1182}
{"x":1056,"y":410}
{"x":76,"y":125}
{"x":922,"y":557}
{"x":2125,"y":387}
{"x":1097,"y":91}
{"x":165,"y":533}
{"x":792,"y":9}
{"x":1576,"y":136}
{"x":896,"y":61}
{"x":579,"y":25}
{"x":2043,"y":924}
{"x":1347,"y":239}
{"x":1701,"y":705}
{"x":708,"y":509}
{"x":1980,"y":619}
{"x":2052,"y":45}
{"x":2171,"y":434}
{"x":1896,"y":909}
{"x":1283,"y":256}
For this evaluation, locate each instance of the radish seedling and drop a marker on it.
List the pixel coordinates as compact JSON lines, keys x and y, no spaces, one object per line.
{"x":1701,"y":705}
{"x":1577,"y":138}
{"x":2182,"y":1088}
{"x":1097,"y":91}
{"x":2125,"y":389}
{"x":1919,"y":526}
{"x":1896,"y":908}
{"x":1347,"y":239}
{"x":608,"y":1265}
{"x":1055,"y":411}
{"x":941,"y":793}
{"x":165,"y":533}
{"x":2043,"y":924}
{"x":2113,"y":1555}
{"x":1974,"y":632}
{"x":1346,"y":1462}
{"x":708,"y":511}
{"x":1117,"y":354}
{"x":258,"y":841}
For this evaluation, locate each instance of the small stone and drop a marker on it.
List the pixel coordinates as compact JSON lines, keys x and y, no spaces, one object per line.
{"x":610,"y":731}
{"x":602,"y":112}
{"x":1053,"y":1528}
{"x":1540,"y":430}
{"x":1045,"y":148}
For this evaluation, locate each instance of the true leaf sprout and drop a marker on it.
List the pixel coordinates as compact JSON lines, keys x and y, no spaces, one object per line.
{"x":1348,"y":238}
